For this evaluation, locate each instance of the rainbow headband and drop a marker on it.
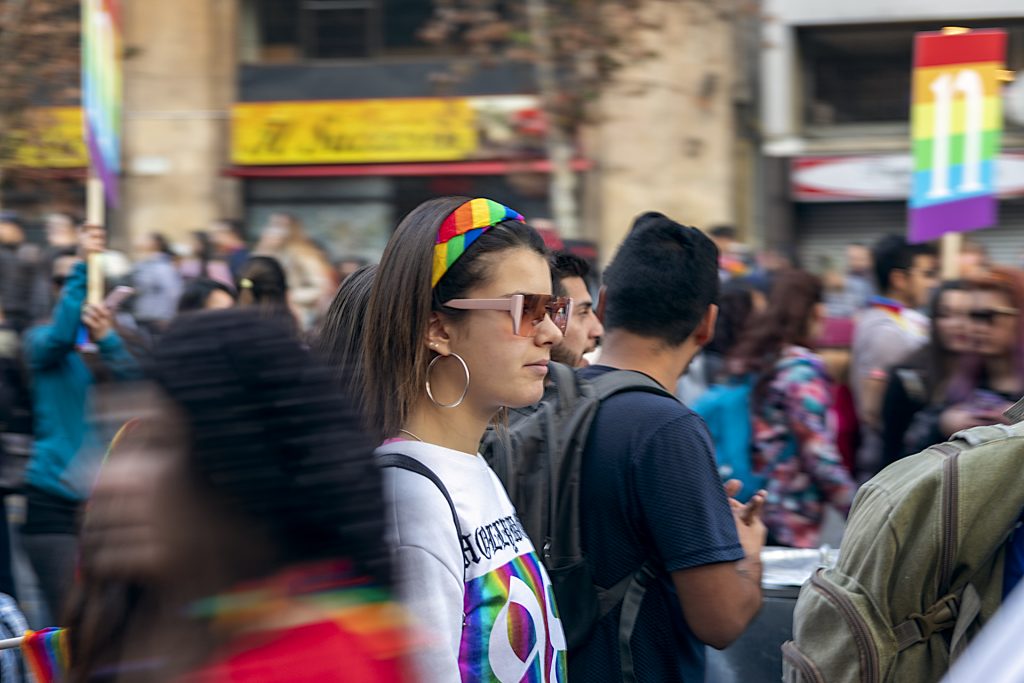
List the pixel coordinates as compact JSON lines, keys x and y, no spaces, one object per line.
{"x":462,"y":227}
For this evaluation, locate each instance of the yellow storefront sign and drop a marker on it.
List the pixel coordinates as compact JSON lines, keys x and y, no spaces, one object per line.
{"x":353,"y":131}
{"x":51,"y":137}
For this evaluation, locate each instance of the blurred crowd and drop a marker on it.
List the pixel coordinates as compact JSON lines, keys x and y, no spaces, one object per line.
{"x":195,"y":478}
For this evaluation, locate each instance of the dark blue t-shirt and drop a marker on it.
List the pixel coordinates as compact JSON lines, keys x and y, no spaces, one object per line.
{"x":650,"y":489}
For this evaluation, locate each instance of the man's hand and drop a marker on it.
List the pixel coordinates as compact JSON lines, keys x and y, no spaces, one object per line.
{"x":92,"y":239}
{"x":98,"y":320}
{"x":749,"y":525}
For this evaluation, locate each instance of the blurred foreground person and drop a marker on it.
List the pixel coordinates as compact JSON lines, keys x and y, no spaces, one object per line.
{"x":794,"y":445}
{"x":67,"y":449}
{"x":237,"y":531}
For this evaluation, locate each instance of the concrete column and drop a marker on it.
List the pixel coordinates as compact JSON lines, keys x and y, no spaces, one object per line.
{"x":179,"y":84}
{"x":666,"y":133}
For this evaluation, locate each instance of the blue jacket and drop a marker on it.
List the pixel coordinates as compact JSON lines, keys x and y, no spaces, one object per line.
{"x":68,"y":450}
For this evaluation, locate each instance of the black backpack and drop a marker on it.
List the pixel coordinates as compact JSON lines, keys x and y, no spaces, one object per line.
{"x":538,"y":461}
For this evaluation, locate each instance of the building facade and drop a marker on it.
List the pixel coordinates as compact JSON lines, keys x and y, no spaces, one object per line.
{"x":835,"y":111}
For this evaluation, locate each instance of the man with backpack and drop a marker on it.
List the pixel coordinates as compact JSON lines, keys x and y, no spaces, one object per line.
{"x":653,"y":515}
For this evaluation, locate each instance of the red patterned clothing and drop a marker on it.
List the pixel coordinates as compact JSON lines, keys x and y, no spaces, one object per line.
{"x":795,"y":450}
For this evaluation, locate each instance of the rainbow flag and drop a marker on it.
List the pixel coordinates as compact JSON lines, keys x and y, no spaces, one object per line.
{"x":956,"y":126}
{"x":46,"y":652}
{"x":101,"y":90}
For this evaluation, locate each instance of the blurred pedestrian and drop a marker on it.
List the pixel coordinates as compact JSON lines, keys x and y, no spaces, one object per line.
{"x":310,"y":275}
{"x":264,"y":285}
{"x":460,"y":323}
{"x":888,"y":331}
{"x":67,"y":449}
{"x":257,"y":558}
{"x":922,"y":379}
{"x":582,"y":334}
{"x":157,"y":283}
{"x":991,"y":379}
{"x":794,"y":446}
{"x":974,"y":260}
{"x":228,"y":237}
{"x":20,"y":263}
{"x":202,"y":293}
{"x":203,"y":261}
{"x":857,"y":285}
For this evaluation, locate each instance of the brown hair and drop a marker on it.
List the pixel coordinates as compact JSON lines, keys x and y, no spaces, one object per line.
{"x":401,"y":301}
{"x":786,"y":321}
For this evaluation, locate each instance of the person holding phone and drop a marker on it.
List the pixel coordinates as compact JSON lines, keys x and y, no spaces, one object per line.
{"x":67,"y":449}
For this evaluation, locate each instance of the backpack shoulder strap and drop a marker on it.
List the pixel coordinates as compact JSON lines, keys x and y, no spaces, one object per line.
{"x":566,"y":385}
{"x":630,"y":593}
{"x":404,"y":462}
{"x":617,"y":381}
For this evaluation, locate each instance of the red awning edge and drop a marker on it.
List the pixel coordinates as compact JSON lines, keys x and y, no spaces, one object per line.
{"x":502,"y":167}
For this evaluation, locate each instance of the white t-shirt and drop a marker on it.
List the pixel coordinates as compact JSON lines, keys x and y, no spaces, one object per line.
{"x":501,"y":624}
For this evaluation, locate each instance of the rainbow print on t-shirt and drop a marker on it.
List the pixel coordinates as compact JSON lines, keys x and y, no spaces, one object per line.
{"x":512,"y":632}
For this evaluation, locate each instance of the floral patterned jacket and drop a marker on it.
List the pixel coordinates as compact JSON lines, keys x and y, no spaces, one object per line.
{"x":795,"y":450}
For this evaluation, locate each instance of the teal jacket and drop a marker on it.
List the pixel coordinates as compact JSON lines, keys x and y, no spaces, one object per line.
{"x":68,"y":450}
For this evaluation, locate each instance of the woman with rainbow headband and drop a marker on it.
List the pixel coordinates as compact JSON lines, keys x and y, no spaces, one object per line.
{"x":459,"y":325}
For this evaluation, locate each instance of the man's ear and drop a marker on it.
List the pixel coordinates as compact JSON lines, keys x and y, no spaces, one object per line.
{"x":898,"y":280}
{"x":438,"y":338}
{"x":602,"y":299}
{"x":705,"y":331}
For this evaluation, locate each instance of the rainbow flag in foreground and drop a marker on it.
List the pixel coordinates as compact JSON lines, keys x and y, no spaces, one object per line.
{"x":956,"y":125}
{"x":46,"y":652}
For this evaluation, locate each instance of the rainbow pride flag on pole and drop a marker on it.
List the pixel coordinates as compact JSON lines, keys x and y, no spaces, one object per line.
{"x":956,"y":126}
{"x":101,"y":90}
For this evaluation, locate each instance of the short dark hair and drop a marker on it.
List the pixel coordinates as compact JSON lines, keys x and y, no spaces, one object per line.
{"x":565,"y":264}
{"x":662,"y":280}
{"x":891,"y":253}
{"x":725,"y":232}
{"x":234,"y":225}
{"x":198,"y":291}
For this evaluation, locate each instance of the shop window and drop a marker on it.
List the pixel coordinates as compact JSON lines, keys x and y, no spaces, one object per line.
{"x":290,"y":31}
{"x":861,"y":74}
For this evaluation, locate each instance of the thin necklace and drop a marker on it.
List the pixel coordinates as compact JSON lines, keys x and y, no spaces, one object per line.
{"x":406,"y":431}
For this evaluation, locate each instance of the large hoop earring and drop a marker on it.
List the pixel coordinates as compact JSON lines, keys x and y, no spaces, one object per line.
{"x":465,"y":390}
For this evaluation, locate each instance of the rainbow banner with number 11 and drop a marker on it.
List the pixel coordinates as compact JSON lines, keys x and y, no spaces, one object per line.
{"x":956,"y":126}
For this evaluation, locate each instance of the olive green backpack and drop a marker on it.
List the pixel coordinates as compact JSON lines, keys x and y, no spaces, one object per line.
{"x":920,"y":569}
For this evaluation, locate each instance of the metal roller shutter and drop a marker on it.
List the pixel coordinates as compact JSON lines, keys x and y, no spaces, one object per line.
{"x":824,"y":229}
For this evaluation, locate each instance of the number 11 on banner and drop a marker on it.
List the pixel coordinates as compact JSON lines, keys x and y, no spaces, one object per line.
{"x":956,"y":126}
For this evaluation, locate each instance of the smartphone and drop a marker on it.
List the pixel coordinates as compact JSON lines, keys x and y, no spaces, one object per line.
{"x":117,"y":297}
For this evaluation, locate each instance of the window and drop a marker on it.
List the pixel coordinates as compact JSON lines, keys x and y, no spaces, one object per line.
{"x":861,"y":74}
{"x":294,"y":30}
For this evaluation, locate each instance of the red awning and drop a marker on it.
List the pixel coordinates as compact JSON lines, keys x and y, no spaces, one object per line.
{"x":502,"y":167}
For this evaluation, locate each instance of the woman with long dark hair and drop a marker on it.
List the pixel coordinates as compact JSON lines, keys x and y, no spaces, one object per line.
{"x":459,"y":324}
{"x":991,"y":379}
{"x":794,"y":447}
{"x":923,"y":379}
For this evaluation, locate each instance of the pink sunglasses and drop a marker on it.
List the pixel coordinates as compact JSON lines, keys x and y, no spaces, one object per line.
{"x":527,"y":310}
